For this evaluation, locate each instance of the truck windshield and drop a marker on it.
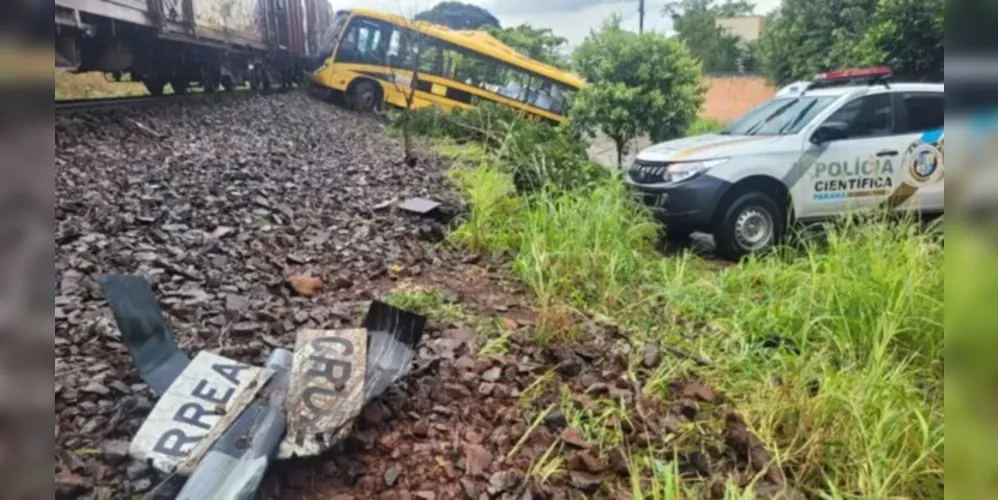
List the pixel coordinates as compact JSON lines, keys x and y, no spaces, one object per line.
{"x":782,"y":116}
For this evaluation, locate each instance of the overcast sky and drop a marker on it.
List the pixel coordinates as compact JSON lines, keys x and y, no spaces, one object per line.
{"x":571,"y":19}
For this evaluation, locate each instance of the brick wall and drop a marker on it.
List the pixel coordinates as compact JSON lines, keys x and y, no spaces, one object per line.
{"x":728,"y":96}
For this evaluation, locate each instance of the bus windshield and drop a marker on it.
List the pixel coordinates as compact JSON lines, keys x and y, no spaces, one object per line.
{"x":328,"y":39}
{"x":781,"y":116}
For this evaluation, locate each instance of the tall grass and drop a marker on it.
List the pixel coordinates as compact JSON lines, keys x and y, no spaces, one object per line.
{"x":858,"y":413}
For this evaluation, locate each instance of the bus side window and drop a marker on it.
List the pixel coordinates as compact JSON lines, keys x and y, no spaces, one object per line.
{"x":399,"y":55}
{"x":542,"y":94}
{"x":430,"y":56}
{"x":516,"y":85}
{"x":559,"y":98}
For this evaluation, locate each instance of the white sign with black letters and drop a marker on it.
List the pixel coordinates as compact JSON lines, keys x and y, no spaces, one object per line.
{"x":186,"y":413}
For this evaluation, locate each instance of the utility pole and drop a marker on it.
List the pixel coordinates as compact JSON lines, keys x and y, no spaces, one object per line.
{"x":641,"y":16}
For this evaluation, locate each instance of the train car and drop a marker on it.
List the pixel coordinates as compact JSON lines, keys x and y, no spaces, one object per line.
{"x":213,"y":43}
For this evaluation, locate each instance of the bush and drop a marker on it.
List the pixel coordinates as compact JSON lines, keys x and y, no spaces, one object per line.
{"x":703,"y":126}
{"x":535,"y":154}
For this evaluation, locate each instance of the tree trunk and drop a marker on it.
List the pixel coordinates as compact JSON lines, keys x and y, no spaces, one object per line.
{"x":410,"y":158}
{"x":621,"y":144}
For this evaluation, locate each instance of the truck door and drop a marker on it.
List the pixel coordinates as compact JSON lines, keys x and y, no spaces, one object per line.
{"x":919,"y":181}
{"x":859,"y":169}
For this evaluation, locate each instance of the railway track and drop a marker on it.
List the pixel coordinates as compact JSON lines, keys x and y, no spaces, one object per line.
{"x":79,"y":105}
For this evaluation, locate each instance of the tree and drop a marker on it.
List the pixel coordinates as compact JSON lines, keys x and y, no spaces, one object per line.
{"x":806,"y":37}
{"x":635,"y":84}
{"x":403,"y":59}
{"x":459,"y":16}
{"x":906,"y":35}
{"x":695,"y":22}
{"x":536,"y":43}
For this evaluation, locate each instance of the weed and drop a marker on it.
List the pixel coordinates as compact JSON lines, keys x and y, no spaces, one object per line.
{"x":854,"y":409}
{"x":498,"y":346}
{"x":858,"y":411}
{"x":599,"y":423}
{"x":536,"y":389}
{"x":549,"y":464}
{"x":430,"y":303}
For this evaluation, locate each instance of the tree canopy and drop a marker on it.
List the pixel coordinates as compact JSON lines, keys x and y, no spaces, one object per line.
{"x":459,"y":16}
{"x":636,"y":84}
{"x":906,"y":35}
{"x":695,"y":22}
{"x":805,"y":37}
{"x":536,"y":43}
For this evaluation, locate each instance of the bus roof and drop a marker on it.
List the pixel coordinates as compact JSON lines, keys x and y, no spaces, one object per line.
{"x":479,"y":41}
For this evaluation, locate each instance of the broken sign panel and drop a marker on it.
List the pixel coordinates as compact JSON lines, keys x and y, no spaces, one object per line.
{"x":189,"y":409}
{"x":327,"y":389}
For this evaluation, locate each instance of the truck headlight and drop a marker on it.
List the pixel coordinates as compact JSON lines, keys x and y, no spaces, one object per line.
{"x":679,"y":172}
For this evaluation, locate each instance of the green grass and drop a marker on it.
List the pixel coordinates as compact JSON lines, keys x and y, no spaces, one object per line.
{"x":429,"y":303}
{"x":866,"y":312}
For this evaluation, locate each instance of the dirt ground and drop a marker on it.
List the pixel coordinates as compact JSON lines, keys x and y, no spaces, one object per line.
{"x":216,"y":204}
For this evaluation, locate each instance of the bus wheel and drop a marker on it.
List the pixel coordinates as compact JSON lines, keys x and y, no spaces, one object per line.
{"x":364,"y":96}
{"x":752,"y":224}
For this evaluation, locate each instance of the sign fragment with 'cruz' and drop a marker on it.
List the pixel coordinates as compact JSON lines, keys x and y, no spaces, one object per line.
{"x":326,"y":391}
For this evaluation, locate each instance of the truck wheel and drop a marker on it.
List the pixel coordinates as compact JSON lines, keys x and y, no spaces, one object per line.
{"x":364,"y":96}
{"x":751,"y":224}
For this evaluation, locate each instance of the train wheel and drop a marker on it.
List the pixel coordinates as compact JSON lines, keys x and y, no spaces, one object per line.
{"x":211,"y":81}
{"x":155,"y":87}
{"x":179,"y":87}
{"x":228,"y":84}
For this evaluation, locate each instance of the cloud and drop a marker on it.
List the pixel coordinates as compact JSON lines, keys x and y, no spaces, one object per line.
{"x":572,"y":19}
{"x":520,"y":7}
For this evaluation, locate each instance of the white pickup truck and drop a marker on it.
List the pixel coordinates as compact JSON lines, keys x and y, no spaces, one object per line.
{"x":849,"y":140}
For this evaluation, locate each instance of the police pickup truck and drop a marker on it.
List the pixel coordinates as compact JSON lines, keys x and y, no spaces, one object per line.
{"x":849,"y":140}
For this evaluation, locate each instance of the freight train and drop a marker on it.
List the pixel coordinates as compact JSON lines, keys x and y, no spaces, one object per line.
{"x":181,"y":43}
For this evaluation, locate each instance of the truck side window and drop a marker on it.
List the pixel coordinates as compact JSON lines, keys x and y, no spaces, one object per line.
{"x":867,"y":116}
{"x":925,"y":111}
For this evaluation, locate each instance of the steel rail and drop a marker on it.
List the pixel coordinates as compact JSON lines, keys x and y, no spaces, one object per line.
{"x":70,"y":105}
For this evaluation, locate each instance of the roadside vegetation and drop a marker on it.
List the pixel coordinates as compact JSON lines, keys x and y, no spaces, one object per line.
{"x":832,"y":353}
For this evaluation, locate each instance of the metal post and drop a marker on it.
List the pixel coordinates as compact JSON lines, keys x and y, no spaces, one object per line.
{"x":641,"y":16}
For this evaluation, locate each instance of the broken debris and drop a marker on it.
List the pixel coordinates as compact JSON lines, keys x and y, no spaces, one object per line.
{"x":304,"y":285}
{"x":420,"y":206}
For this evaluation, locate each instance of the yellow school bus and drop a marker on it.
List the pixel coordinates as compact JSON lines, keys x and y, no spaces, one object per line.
{"x":371,"y":58}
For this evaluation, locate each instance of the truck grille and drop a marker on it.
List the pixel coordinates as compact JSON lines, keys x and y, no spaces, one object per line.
{"x":646,"y":172}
